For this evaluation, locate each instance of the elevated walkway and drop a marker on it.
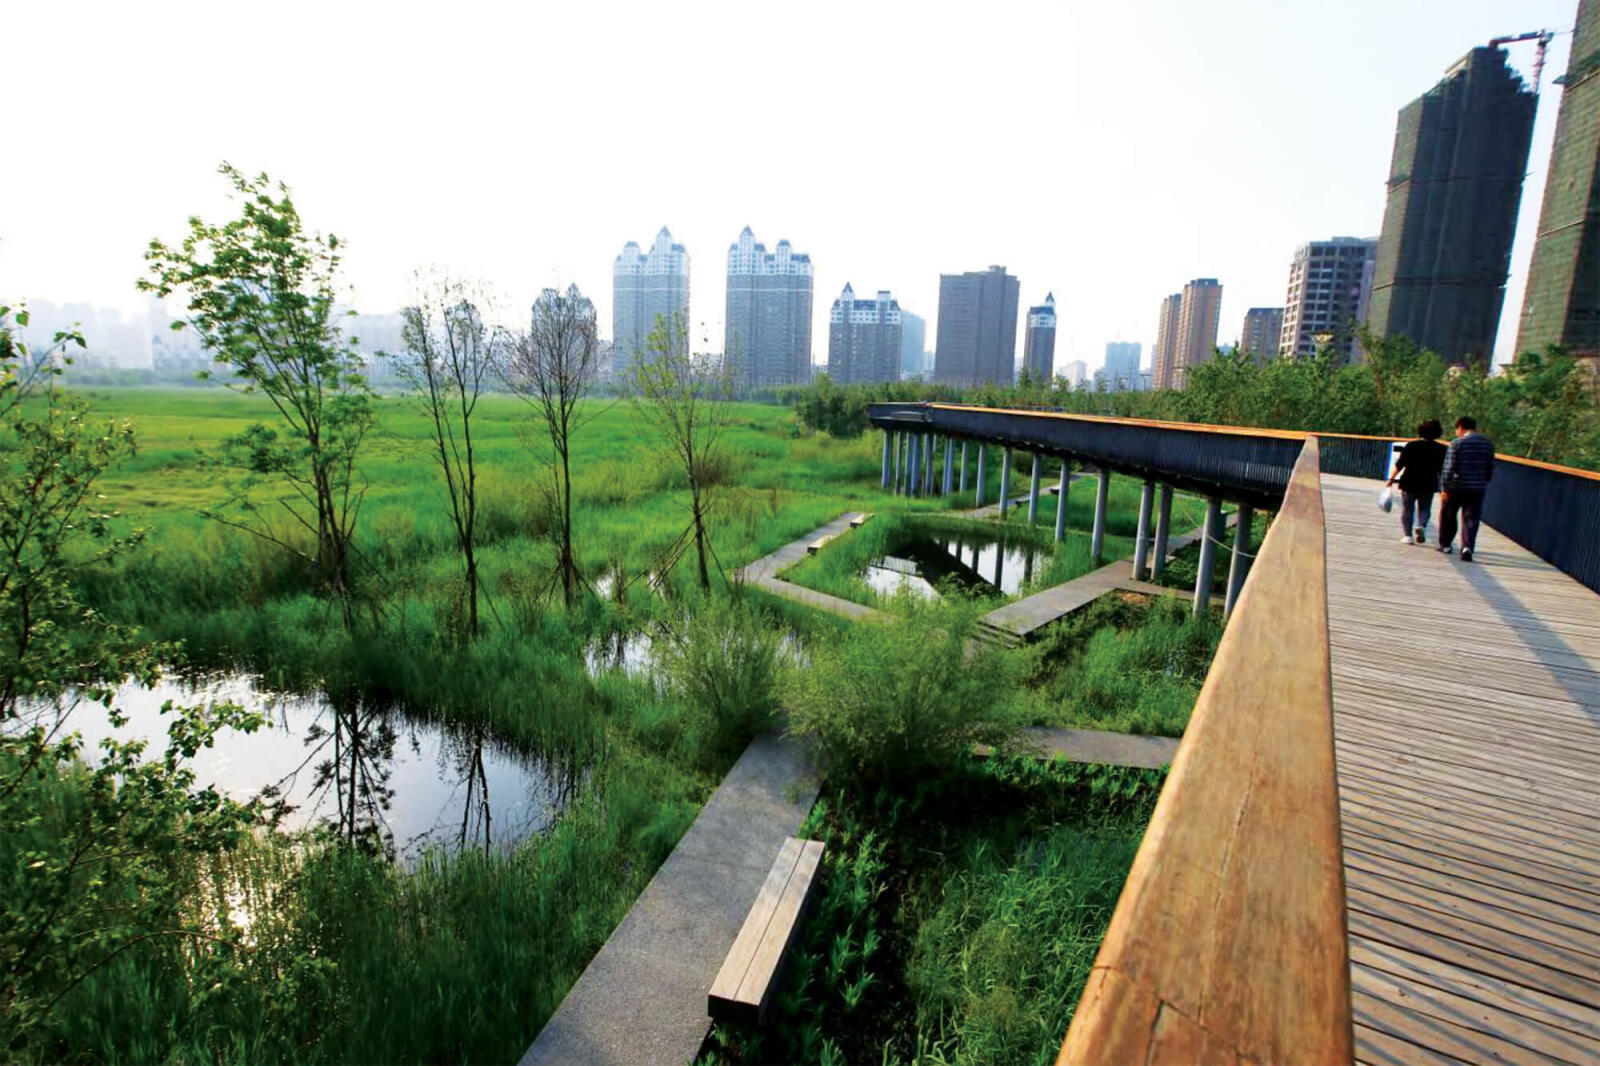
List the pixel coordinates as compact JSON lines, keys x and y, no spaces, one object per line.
{"x":1466,"y":703}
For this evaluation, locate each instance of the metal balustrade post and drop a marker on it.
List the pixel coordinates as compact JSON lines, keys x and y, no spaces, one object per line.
{"x":1141,"y":537}
{"x":1208,"y":557}
{"x":1239,"y":565}
{"x":949,"y":464}
{"x":983,"y":451}
{"x":1097,"y":540}
{"x":886,"y":436}
{"x":1005,"y":481}
{"x":1061,"y":502}
{"x":1158,"y":556}
{"x":1033,"y":492}
{"x":963,"y":485}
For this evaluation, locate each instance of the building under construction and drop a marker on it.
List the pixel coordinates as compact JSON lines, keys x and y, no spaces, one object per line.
{"x":1455,"y":182}
{"x":1562,"y":303}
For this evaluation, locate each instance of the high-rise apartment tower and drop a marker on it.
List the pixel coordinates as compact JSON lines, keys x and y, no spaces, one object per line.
{"x":864,"y":338}
{"x":1330,"y":288}
{"x":1122,"y":366}
{"x":1562,"y":302}
{"x":1455,"y":181}
{"x":1166,"y":342}
{"x":977,"y":338}
{"x":1199,"y":311}
{"x":1039,"y":341}
{"x":1260,"y":332}
{"x":767,"y":331}
{"x":913,"y":346}
{"x":646,"y":287}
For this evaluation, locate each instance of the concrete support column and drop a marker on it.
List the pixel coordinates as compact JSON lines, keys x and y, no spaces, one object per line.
{"x":1005,"y":481}
{"x":1141,"y":537}
{"x":983,"y":451}
{"x":1097,"y":540}
{"x":1208,"y":557}
{"x":1239,"y":565}
{"x":914,"y":465}
{"x":1061,"y":502}
{"x":949,"y":464}
{"x":1158,"y":556}
{"x":963,"y":486}
{"x":1033,"y":492}
{"x":887,"y":436}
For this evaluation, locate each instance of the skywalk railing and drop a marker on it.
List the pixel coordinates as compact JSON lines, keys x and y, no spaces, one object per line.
{"x":1228,"y":942}
{"x":1246,"y":465}
{"x":1553,"y":511}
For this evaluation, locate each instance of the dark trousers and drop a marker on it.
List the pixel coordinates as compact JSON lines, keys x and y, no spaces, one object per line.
{"x":1415,"y":506}
{"x":1469,"y":504}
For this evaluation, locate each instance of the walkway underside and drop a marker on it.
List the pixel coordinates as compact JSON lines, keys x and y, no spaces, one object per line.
{"x":1466,"y":702}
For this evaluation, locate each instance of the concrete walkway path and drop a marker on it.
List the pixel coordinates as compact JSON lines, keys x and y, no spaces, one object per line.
{"x":1017,"y":621}
{"x":1098,"y":746}
{"x":763,"y":573}
{"x":643,"y":997}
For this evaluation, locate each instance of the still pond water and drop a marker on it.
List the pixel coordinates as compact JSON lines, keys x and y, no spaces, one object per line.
{"x":403,"y":785}
{"x":979,"y":562}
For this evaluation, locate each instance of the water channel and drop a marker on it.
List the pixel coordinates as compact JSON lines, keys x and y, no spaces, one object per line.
{"x":367,"y":773}
{"x":978,"y":562}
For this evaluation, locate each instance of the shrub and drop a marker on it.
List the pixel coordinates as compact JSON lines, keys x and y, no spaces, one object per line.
{"x":901,"y":698}
{"x":721,"y":660}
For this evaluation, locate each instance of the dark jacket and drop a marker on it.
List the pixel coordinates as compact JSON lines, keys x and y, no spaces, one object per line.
{"x":1468,"y":465}
{"x":1418,"y":467}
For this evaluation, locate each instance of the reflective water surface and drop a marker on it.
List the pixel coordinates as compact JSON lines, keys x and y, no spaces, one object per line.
{"x":365,"y":773}
{"x":979,"y":562}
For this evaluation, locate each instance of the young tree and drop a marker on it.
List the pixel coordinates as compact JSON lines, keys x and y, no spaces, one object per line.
{"x":686,"y":400}
{"x":97,"y":862}
{"x":450,"y":353}
{"x":261,"y":297}
{"x":551,"y":367}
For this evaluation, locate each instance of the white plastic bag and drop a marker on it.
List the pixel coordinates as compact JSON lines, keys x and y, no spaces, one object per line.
{"x":1386,"y":498}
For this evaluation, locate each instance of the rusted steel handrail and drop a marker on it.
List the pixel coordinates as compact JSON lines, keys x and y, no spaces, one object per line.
{"x":1228,"y":942}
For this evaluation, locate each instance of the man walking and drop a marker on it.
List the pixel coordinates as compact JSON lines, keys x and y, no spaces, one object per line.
{"x":1468,"y":466}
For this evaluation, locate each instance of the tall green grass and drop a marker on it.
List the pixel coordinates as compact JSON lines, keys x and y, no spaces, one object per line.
{"x":1126,"y":663}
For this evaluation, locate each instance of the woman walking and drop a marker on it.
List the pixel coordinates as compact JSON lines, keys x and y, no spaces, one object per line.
{"x":1417,"y":473}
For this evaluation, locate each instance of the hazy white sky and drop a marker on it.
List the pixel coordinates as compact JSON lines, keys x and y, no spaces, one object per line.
{"x":1106,"y":151}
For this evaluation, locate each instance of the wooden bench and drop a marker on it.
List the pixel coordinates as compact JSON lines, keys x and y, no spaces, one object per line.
{"x":749,"y":974}
{"x":859,"y":520}
{"x":817,"y":545}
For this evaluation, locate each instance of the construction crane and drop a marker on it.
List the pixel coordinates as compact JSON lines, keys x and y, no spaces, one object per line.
{"x":1544,"y":37}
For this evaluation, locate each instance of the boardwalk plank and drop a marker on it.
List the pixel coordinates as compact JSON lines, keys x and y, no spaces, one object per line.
{"x":1467,"y":723}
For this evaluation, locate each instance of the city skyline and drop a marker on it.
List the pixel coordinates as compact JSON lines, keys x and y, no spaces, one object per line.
{"x":82,"y":236}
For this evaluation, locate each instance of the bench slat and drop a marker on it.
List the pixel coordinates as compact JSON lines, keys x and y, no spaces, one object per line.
{"x":760,"y":978}
{"x":731,"y":976}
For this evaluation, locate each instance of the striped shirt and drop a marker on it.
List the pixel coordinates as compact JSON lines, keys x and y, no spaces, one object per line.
{"x":1468,"y":465}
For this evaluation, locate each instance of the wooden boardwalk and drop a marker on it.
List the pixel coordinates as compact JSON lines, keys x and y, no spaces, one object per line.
{"x":1466,"y":701}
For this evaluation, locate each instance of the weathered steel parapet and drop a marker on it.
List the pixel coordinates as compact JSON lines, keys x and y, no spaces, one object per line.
{"x":1241,"y":465}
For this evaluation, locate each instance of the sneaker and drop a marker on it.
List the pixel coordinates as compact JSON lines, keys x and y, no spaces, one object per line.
{"x":1407,"y":539}
{"x":1422,"y":535}
{"x":1445,"y":549}
{"x":1466,"y":555}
